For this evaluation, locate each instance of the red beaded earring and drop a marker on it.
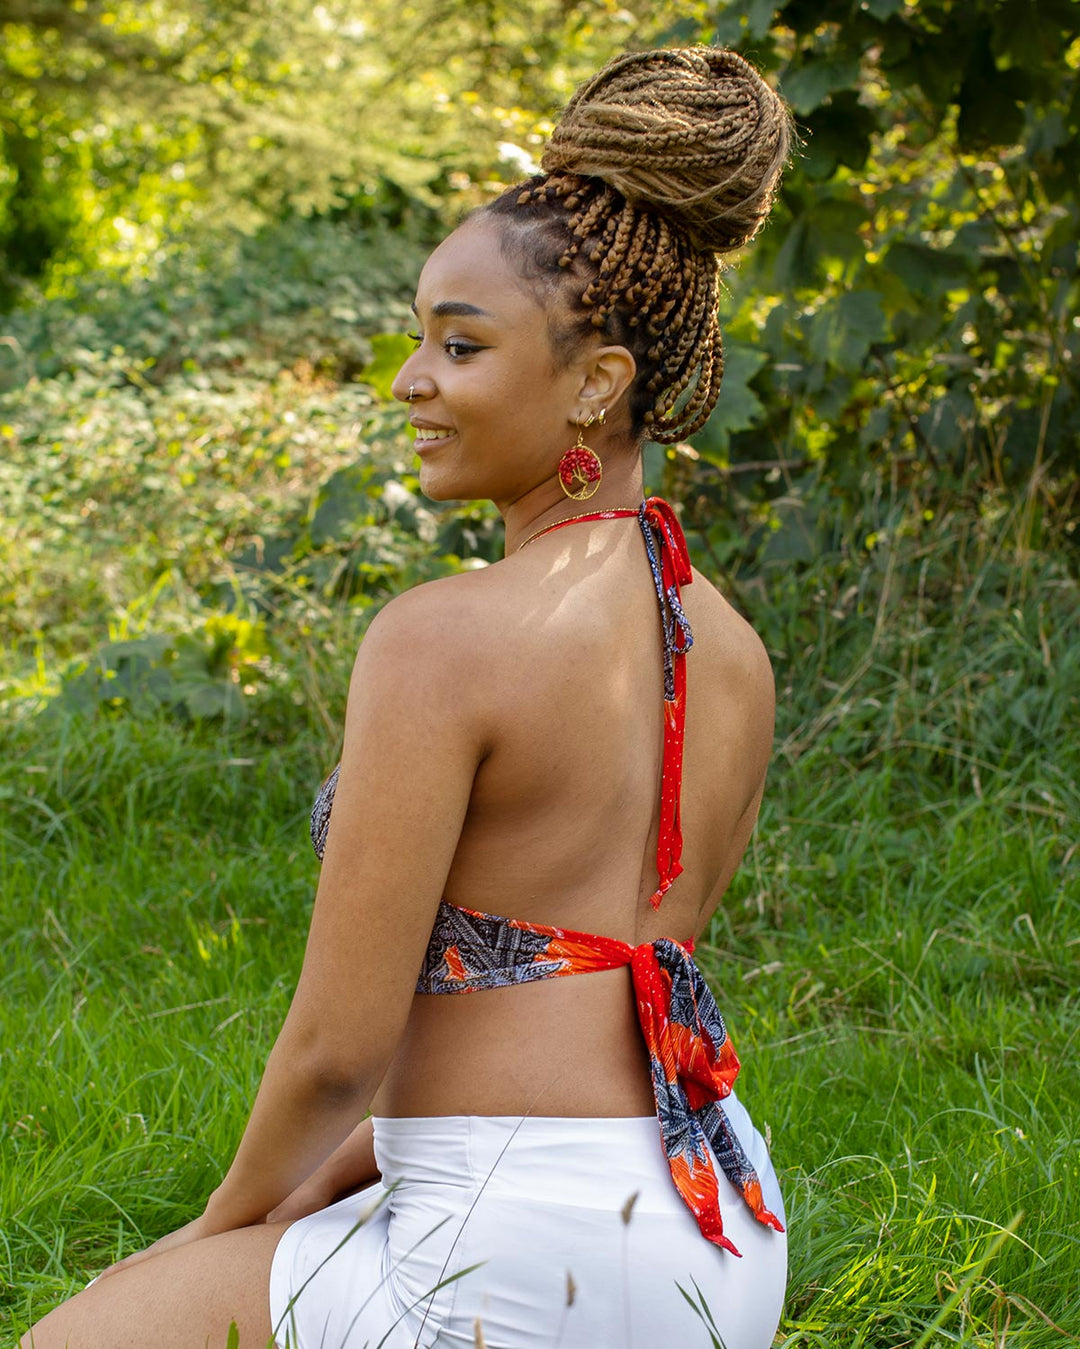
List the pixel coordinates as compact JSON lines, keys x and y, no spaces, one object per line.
{"x":580,"y":469}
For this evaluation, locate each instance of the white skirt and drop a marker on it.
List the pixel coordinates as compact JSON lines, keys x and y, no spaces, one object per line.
{"x":515,"y":1233}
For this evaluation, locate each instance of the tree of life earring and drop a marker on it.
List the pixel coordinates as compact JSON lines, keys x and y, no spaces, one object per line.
{"x":580,"y":469}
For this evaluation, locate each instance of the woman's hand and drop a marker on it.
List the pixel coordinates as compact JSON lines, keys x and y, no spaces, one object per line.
{"x":348,"y":1169}
{"x":193,"y":1231}
{"x":310,"y":1197}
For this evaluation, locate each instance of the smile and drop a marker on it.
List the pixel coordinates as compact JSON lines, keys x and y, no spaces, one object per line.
{"x":424,"y":434}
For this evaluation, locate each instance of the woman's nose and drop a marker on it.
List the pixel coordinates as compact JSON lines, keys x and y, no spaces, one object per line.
{"x":408,"y":385}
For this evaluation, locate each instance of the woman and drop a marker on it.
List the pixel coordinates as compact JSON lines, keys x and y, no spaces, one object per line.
{"x":517,"y":744}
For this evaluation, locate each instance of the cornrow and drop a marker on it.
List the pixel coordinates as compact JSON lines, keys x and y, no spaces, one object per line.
{"x":660,"y":163}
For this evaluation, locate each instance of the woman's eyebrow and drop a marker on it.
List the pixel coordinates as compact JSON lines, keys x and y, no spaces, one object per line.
{"x":455,"y":309}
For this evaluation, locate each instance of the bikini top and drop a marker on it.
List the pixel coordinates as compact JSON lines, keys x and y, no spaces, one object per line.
{"x":693,"y":1063}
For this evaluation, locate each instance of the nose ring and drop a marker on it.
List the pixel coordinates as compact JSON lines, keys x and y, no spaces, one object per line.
{"x":411,"y":394}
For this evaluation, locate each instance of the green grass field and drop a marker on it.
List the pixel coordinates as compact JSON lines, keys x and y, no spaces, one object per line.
{"x":897,"y":958}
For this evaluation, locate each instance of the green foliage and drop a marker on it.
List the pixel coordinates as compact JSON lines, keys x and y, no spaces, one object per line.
{"x":261,"y":507}
{"x":205,"y":495}
{"x":916,"y":293}
{"x":182,"y":533}
{"x":389,"y":352}
{"x":126,"y":123}
{"x":896,"y":959}
{"x":296,"y":292}
{"x":178,"y":673}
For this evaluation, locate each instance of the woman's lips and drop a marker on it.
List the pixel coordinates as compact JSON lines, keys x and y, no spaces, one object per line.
{"x":428,"y":438}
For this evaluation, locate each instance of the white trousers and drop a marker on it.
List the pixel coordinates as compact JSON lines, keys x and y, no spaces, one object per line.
{"x":511,"y":1233}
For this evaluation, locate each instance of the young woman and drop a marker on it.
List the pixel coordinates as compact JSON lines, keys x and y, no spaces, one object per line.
{"x":538,"y":779}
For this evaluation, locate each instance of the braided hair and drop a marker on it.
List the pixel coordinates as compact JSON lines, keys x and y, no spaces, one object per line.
{"x":660,"y":163}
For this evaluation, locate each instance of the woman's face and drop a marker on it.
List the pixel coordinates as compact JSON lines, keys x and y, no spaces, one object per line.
{"x":493,"y":410}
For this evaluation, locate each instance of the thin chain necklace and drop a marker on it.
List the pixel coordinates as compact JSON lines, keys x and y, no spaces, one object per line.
{"x":615,"y":513}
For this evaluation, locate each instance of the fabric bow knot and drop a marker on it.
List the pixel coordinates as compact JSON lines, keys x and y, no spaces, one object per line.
{"x":693,"y":1068}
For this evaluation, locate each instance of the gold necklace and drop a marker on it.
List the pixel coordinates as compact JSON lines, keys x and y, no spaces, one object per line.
{"x":613,"y":513}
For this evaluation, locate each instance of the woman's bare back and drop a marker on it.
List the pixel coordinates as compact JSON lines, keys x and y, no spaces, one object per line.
{"x":563,"y":817}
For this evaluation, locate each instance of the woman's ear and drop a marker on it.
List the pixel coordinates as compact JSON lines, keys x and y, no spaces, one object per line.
{"x":608,"y":375}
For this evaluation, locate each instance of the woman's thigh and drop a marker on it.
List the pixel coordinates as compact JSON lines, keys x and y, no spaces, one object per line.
{"x":185,"y":1298}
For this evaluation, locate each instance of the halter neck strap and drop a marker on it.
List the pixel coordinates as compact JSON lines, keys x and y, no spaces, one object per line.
{"x":669,"y":562}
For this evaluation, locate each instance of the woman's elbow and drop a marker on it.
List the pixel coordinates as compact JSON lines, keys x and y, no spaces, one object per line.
{"x":335,"y":1069}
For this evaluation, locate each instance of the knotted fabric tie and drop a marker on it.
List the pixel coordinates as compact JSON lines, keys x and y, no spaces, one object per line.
{"x":670,"y":564}
{"x":693,"y":1068}
{"x":692,"y":1061}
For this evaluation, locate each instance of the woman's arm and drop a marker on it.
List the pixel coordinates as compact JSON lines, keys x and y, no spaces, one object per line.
{"x":415,"y":733}
{"x":348,"y":1169}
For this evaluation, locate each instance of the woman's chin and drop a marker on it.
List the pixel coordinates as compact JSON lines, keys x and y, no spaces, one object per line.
{"x":439,"y":485}
{"x":434,"y":489}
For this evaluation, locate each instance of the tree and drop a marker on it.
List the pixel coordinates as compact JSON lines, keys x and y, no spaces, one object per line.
{"x":158,"y":113}
{"x":915,"y":296}
{"x":912,"y":301}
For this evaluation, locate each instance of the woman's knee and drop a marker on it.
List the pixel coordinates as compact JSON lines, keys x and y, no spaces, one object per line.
{"x":182,"y":1298}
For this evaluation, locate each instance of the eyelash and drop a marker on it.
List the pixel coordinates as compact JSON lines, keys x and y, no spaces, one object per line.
{"x":462,"y":348}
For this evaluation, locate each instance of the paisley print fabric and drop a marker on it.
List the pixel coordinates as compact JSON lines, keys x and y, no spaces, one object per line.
{"x":692,"y":1061}
{"x":320,"y":812}
{"x":671,"y":569}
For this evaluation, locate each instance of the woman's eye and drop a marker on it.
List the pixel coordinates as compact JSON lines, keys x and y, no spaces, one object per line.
{"x":454,"y":348}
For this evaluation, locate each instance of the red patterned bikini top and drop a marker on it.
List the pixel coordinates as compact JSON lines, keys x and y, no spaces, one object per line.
{"x":693,"y":1063}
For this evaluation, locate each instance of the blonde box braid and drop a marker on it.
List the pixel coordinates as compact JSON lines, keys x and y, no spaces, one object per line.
{"x":660,"y":163}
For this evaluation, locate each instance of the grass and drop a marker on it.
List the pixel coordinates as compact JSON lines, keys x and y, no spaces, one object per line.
{"x":913,"y":1024}
{"x":897,"y":958}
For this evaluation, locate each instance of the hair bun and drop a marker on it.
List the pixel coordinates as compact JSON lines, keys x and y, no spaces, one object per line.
{"x":694,"y":134}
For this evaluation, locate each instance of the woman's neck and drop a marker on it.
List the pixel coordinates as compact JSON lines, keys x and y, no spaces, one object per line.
{"x":620,"y":487}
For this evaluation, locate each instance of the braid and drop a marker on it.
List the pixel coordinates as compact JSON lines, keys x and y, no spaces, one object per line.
{"x":661,"y":162}
{"x":694,"y":131}
{"x":637,"y":281}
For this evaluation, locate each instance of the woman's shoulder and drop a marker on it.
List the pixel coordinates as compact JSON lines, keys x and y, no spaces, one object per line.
{"x":427,"y":658}
{"x":443,"y":612}
{"x":734,"y":640}
{"x":732,"y":682}
{"x":446,"y":629}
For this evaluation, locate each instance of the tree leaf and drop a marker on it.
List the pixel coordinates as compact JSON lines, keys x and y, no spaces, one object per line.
{"x":345,"y":501}
{"x":728,"y":27}
{"x":759,"y":17}
{"x":738,"y":408}
{"x":990,"y":112}
{"x":1030,"y":36}
{"x":926,"y":271}
{"x":828,"y":228}
{"x":796,"y":537}
{"x":883,"y":9}
{"x":389,"y":353}
{"x":838,"y":132}
{"x":843,"y":330}
{"x":809,"y":86}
